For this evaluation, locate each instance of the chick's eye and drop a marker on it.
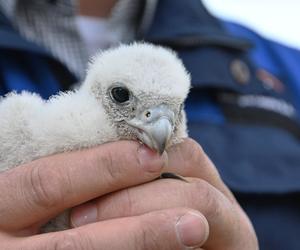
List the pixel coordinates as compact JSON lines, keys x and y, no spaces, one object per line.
{"x":120,"y":94}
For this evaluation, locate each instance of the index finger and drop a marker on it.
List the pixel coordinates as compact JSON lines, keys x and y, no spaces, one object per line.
{"x":46,"y":187}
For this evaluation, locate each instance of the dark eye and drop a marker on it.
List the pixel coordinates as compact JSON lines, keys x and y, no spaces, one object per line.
{"x":120,"y":94}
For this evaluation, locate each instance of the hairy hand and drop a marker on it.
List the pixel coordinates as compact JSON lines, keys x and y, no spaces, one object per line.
{"x":33,"y":193}
{"x":204,"y":191}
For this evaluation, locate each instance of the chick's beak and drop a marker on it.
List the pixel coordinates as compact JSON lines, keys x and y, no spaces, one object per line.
{"x":155,"y":126}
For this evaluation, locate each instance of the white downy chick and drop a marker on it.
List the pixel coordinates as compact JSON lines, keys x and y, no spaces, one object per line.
{"x":134,"y":92}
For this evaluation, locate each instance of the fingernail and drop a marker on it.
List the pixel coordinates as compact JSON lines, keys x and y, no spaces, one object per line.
{"x":151,"y":160}
{"x":84,"y":215}
{"x":192,"y":229}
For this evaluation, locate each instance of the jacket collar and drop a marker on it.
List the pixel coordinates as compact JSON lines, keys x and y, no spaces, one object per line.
{"x":8,"y":7}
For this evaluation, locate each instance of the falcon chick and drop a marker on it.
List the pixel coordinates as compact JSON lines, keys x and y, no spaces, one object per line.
{"x":133,"y":92}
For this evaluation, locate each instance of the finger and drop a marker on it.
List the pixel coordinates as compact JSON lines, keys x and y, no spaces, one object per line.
{"x":189,"y":159}
{"x":45,"y":187}
{"x":168,"y":229}
{"x":167,"y":193}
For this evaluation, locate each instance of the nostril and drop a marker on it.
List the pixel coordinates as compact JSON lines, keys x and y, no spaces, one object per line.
{"x":148,"y":114}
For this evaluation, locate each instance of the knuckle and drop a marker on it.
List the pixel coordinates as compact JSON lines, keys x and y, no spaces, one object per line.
{"x":193,"y":152}
{"x":45,"y":186}
{"x":204,"y":193}
{"x":123,"y":201}
{"x":147,"y":238}
{"x":153,"y":234}
{"x":128,"y":203}
{"x":70,"y":241}
{"x":109,"y":166}
{"x":197,"y":160}
{"x":191,"y":143}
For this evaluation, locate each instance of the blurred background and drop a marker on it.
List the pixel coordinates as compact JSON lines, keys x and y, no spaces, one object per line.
{"x":276,"y":19}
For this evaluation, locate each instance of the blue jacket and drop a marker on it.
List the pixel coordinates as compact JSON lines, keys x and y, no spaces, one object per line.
{"x":27,"y":66}
{"x":243,"y":108}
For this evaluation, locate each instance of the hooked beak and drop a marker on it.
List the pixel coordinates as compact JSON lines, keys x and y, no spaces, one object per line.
{"x":155,"y":126}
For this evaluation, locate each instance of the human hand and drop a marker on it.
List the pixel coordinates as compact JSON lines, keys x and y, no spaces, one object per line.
{"x":33,"y":193}
{"x":204,"y":191}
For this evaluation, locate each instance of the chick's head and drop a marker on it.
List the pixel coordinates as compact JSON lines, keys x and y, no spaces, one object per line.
{"x":142,"y":88}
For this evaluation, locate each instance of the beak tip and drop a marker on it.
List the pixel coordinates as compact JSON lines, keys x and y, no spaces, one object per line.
{"x":156,"y":148}
{"x":161,"y":150}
